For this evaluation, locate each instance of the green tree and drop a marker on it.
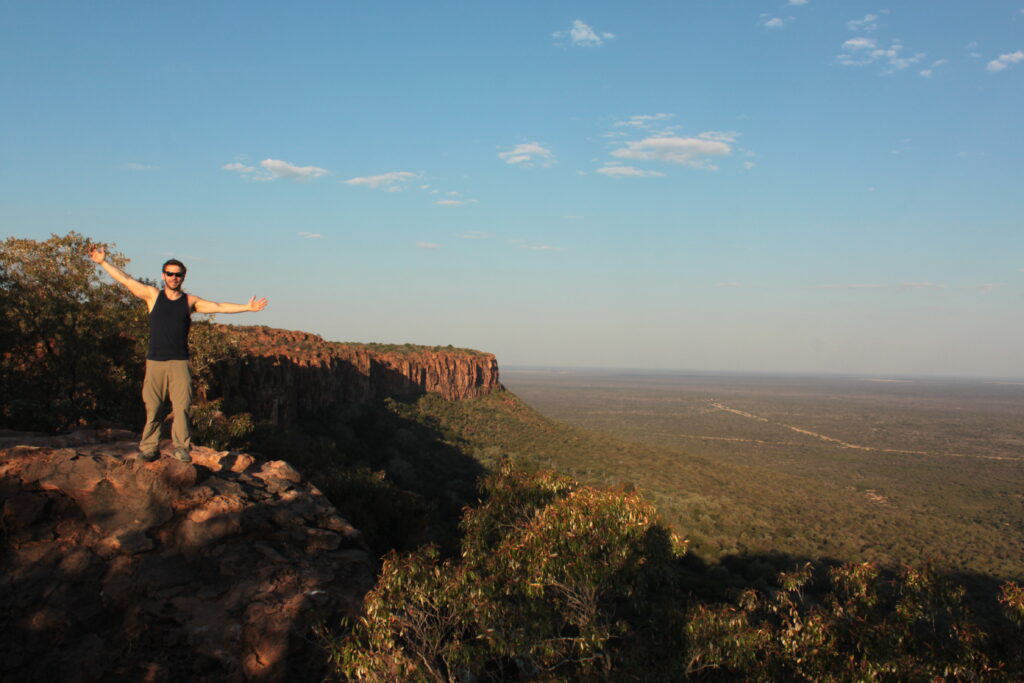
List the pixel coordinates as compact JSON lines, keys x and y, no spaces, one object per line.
{"x":72,"y":343}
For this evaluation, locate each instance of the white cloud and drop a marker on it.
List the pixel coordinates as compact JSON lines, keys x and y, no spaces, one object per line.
{"x":1003,"y":61}
{"x":389,"y":182}
{"x":616,"y":171}
{"x":642,"y":121}
{"x":476,"y":235}
{"x":527,"y":155}
{"x":428,"y":245}
{"x":694,"y":152}
{"x":868,"y":23}
{"x":860,"y":44}
{"x":988,"y":287}
{"x":133,"y":166}
{"x":927,"y":73}
{"x":796,"y":3}
{"x":864,"y":51}
{"x":719,"y":136}
{"x":282,"y":169}
{"x":311,"y":235}
{"x":582,"y":35}
{"x":774,"y":22}
{"x":455,"y":202}
{"x":239,"y":168}
{"x":749,"y":165}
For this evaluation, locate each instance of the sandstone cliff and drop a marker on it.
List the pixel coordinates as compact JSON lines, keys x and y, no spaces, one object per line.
{"x":282,"y":374}
{"x":113,"y":569}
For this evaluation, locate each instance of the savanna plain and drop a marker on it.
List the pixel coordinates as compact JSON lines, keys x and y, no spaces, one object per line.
{"x":887,"y":470}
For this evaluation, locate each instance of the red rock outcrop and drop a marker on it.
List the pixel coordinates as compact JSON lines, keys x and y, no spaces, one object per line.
{"x":115,"y":569}
{"x":284,"y":373}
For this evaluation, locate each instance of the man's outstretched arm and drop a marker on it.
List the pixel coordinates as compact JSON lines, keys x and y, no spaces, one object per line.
{"x":204,"y":306}
{"x":146,"y":292}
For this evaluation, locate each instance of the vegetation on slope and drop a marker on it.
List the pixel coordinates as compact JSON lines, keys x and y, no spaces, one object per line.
{"x":558,"y":581}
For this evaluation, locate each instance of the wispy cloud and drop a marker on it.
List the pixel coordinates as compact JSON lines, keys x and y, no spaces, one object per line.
{"x":283,"y":169}
{"x":1003,"y":61}
{"x":987,"y":287}
{"x":769,"y":21}
{"x":240,"y":168}
{"x":528,"y":154}
{"x":428,"y":245}
{"x":272,"y":169}
{"x":796,"y":3}
{"x":455,"y":202}
{"x":696,"y":152}
{"x":867,"y":24}
{"x":389,"y":182}
{"x":927,"y":73}
{"x":475,"y":235}
{"x":133,"y":166}
{"x":864,"y":51}
{"x":311,"y":235}
{"x":582,"y":35}
{"x":617,"y":171}
{"x":644,"y":120}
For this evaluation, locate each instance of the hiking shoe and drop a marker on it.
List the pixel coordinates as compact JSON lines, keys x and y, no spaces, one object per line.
{"x":182,"y":455}
{"x":148,"y":456}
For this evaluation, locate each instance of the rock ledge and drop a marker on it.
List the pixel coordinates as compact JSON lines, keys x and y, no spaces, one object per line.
{"x":117,"y":569}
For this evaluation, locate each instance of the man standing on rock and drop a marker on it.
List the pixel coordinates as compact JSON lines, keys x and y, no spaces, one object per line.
{"x":167,"y":373}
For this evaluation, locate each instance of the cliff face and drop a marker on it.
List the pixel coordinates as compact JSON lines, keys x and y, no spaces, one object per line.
{"x":282,"y":374}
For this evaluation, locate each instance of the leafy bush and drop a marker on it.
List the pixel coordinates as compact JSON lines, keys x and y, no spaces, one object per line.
{"x":72,"y":344}
{"x":212,"y":428}
{"x":865,"y":626}
{"x":554,"y":581}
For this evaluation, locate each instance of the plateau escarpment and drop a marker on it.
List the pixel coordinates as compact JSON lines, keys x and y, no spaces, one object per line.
{"x":282,"y":374}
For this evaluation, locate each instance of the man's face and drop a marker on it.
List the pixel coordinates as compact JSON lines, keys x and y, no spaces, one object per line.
{"x":173,"y":277}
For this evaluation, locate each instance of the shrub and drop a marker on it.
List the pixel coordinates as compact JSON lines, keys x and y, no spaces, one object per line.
{"x":866,"y":626}
{"x":71,"y":342}
{"x":555,"y":580}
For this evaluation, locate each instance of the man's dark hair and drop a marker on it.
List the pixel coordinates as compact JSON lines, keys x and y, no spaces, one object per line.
{"x":175,"y":262}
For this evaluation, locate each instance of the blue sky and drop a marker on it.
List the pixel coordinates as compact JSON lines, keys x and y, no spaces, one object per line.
{"x":776,"y":185}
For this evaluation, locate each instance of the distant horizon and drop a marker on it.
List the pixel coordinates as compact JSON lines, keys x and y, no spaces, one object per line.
{"x":865,"y":376}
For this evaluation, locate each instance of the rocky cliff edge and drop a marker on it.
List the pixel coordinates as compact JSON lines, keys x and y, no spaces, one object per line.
{"x":115,"y":569}
{"x":281,"y":374}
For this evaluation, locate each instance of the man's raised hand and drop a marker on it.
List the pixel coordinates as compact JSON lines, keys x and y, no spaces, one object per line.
{"x":98,"y":254}
{"x":257,"y":304}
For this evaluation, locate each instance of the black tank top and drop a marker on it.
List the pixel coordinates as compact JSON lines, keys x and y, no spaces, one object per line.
{"x":169,"y":322}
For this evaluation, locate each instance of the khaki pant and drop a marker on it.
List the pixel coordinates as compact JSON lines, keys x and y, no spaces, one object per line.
{"x":166,"y":379}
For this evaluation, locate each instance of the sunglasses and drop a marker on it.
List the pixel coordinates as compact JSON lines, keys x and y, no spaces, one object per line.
{"x":170,"y":274}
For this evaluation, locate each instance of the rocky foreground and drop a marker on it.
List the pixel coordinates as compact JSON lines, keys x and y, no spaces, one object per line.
{"x":115,"y":569}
